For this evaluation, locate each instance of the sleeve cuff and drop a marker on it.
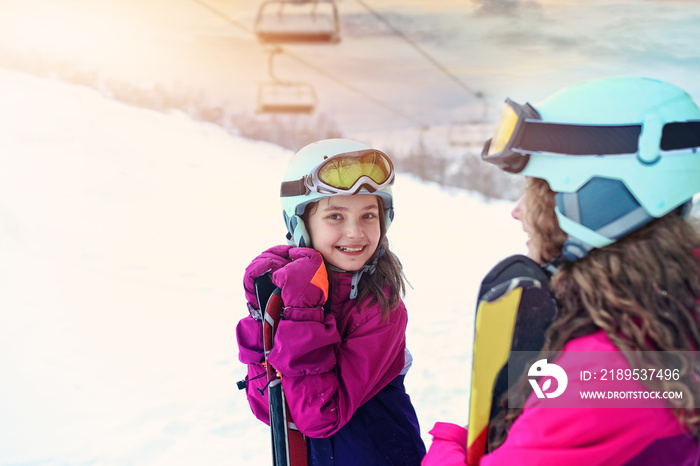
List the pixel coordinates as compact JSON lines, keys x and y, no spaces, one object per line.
{"x":449,"y":431}
{"x":312,"y":314}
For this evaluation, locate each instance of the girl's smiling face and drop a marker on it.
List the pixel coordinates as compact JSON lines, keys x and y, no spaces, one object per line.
{"x":345,"y":229}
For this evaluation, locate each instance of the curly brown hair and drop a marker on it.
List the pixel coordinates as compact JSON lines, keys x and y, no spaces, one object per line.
{"x":539,"y":203}
{"x":643,"y":291}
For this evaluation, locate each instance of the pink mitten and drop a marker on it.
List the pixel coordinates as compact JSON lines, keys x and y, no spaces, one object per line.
{"x":269,"y":261}
{"x":304,"y":284}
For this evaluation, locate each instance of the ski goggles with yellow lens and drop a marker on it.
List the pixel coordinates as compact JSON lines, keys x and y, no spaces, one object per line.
{"x":522,"y":132}
{"x":345,"y":173}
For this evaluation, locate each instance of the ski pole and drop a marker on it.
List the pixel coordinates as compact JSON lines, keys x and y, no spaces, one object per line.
{"x":288,"y":444}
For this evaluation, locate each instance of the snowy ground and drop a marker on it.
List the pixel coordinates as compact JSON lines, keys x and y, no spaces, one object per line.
{"x":123,"y":238}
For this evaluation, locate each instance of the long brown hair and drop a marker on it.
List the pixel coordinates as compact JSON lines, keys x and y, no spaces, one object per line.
{"x":642,"y":290}
{"x":386,"y":285}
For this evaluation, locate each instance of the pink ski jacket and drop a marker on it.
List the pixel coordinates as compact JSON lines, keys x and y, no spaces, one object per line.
{"x":329,"y":368}
{"x":577,"y":436}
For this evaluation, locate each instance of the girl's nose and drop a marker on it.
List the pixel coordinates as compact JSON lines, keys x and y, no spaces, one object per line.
{"x":352,"y":229}
{"x":517,"y":211}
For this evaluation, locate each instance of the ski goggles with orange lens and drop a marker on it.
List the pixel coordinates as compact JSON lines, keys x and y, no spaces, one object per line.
{"x":345,"y":173}
{"x":522,"y":132}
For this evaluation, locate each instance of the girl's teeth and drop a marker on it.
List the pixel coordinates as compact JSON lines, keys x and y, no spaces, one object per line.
{"x":349,"y":249}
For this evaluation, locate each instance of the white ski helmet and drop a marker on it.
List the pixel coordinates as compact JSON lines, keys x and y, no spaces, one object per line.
{"x":333,"y":167}
{"x":618,"y":152}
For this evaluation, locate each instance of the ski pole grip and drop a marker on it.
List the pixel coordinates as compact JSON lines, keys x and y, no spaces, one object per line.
{"x":275,"y":306}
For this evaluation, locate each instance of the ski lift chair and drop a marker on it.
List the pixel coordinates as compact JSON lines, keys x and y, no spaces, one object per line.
{"x":280,"y":96}
{"x":286,"y":97}
{"x":297,"y":21}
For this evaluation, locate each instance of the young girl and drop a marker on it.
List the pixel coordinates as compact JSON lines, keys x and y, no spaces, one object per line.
{"x":612,"y":165}
{"x":341,"y":346}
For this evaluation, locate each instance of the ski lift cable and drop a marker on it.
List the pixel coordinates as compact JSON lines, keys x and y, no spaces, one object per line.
{"x":238,"y":24}
{"x":356,"y":90}
{"x":426,"y":55}
{"x":338,"y":81}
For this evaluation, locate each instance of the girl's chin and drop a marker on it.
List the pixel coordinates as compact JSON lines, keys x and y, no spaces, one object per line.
{"x":533,"y":253}
{"x":346,"y":264}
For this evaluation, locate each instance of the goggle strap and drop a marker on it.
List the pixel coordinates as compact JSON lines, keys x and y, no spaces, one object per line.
{"x":540,"y":136}
{"x":680,"y":135}
{"x":293,"y":188}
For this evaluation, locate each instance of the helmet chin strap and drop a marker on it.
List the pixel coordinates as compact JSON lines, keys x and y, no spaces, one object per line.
{"x":572,"y":250}
{"x":296,"y":232}
{"x":369,"y":268}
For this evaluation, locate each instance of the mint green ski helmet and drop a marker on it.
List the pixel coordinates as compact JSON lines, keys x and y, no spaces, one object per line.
{"x":618,"y":152}
{"x":333,"y":167}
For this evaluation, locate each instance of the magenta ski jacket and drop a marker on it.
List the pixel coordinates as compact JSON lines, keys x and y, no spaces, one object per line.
{"x":642,"y":436}
{"x":329,"y":367}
